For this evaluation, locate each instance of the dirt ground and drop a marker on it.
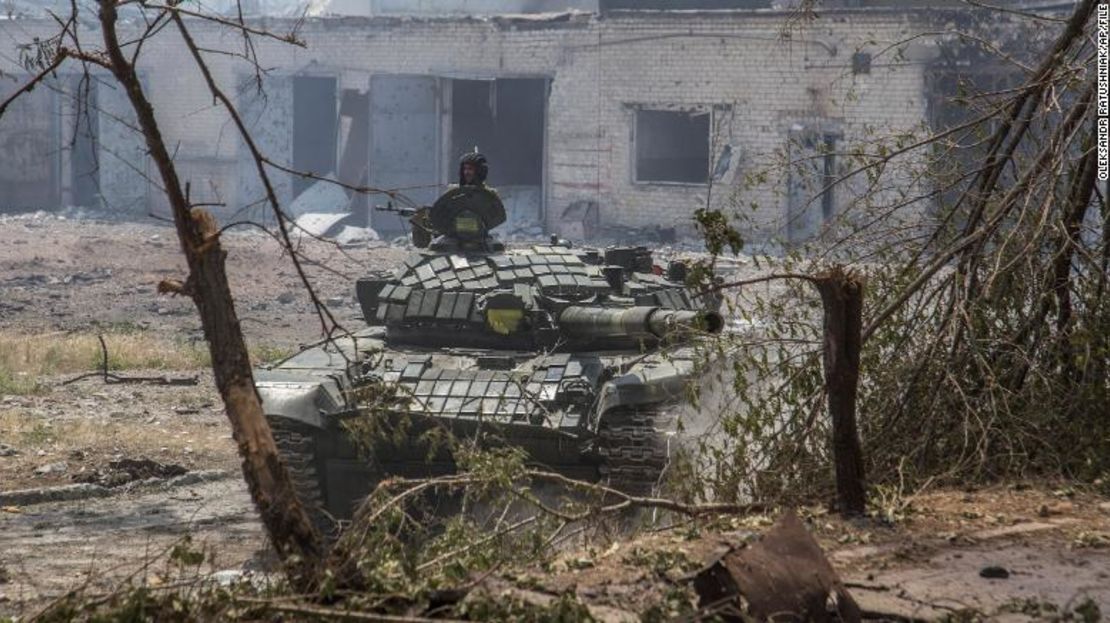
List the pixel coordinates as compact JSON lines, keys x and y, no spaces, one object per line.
{"x":63,"y":277}
{"x":929,"y":564}
{"x":69,"y":275}
{"x":99,"y":543}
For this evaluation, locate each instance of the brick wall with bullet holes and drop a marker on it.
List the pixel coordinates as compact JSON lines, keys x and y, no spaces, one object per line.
{"x":761,"y":84}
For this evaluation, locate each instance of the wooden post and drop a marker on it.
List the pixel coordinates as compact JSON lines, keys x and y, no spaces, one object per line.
{"x":842,"y":299}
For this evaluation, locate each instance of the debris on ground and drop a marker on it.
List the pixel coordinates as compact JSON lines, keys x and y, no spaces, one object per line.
{"x":342,"y":227}
{"x":994,"y":572}
{"x":320,"y":198}
{"x":59,"y":467}
{"x":784,"y":574}
{"x":123,"y":471}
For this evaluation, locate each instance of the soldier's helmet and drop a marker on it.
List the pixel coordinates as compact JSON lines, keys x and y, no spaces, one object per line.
{"x":481,"y":167}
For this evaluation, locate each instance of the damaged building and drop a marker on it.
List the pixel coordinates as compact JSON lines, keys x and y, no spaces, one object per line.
{"x":605,"y":114}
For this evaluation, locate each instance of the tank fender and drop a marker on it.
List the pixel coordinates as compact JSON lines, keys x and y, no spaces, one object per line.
{"x":647,"y":383}
{"x":308,"y":402}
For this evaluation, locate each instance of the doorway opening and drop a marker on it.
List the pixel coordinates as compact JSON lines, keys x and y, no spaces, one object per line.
{"x":84,"y":163}
{"x":315,"y":129}
{"x":504,"y":119}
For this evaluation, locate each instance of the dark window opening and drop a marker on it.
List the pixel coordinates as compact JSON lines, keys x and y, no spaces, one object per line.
{"x":811,"y":184}
{"x":84,"y":165}
{"x":861,"y":63}
{"x":828,"y":188}
{"x":314,"y":129}
{"x":672,"y":147}
{"x":504,"y":119}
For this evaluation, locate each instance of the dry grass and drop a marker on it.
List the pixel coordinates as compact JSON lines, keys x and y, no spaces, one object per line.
{"x":26,"y":358}
{"x":124,"y":435}
{"x":64,"y":352}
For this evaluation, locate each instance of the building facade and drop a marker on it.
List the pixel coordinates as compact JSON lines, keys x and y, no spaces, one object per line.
{"x":624,"y":118}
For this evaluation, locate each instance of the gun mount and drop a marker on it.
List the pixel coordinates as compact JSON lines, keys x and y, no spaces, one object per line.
{"x":460,"y":220}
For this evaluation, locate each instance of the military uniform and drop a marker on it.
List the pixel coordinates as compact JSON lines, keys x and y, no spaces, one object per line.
{"x":466,"y":212}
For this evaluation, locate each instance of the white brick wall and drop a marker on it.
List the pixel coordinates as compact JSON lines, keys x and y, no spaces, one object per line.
{"x":598,"y":67}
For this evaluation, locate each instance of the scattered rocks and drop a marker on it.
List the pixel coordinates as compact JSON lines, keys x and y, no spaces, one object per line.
{"x":60,"y":467}
{"x":994,"y":573}
{"x":1057,"y":508}
{"x":24,"y":497}
{"x":197,"y":477}
{"x":31,"y":280}
{"x":97,"y":274}
{"x":123,"y":471}
{"x":286,"y":297}
{"x":6,"y":450}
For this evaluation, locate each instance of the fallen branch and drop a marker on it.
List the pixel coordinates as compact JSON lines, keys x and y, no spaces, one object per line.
{"x":486,"y":539}
{"x":632,"y":501}
{"x":625,"y":501}
{"x":111,"y":378}
{"x":333,"y":614}
{"x":115,"y":379}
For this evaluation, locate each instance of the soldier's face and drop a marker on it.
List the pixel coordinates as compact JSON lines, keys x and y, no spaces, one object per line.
{"x":469,"y":171}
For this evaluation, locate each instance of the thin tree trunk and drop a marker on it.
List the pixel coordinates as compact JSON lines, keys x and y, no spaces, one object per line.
{"x":1079,"y":201}
{"x":285,"y":520}
{"x":842,"y":299}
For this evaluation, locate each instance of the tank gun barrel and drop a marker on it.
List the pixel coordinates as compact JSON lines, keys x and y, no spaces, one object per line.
{"x":635,"y":322}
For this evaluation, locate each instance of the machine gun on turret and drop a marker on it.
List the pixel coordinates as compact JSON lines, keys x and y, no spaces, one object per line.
{"x":422,"y":231}
{"x":462,"y":218}
{"x":405,"y":212}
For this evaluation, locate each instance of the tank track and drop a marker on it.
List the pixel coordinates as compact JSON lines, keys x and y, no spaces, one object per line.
{"x":297,"y":445}
{"x":635,"y":446}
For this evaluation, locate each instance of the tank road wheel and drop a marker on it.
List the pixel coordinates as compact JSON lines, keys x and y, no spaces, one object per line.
{"x":296,"y":443}
{"x":635,"y":445}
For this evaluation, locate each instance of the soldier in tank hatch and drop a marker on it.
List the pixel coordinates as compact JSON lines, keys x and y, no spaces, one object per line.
{"x":466,"y":211}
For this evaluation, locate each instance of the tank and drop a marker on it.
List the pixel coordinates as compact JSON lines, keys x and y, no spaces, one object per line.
{"x":572,"y":354}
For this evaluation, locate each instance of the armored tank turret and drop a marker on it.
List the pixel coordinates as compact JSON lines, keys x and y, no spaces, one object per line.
{"x":572,"y":354}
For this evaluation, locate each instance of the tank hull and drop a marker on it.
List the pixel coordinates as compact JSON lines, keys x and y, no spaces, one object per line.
{"x":572,"y":355}
{"x":569,"y":413}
